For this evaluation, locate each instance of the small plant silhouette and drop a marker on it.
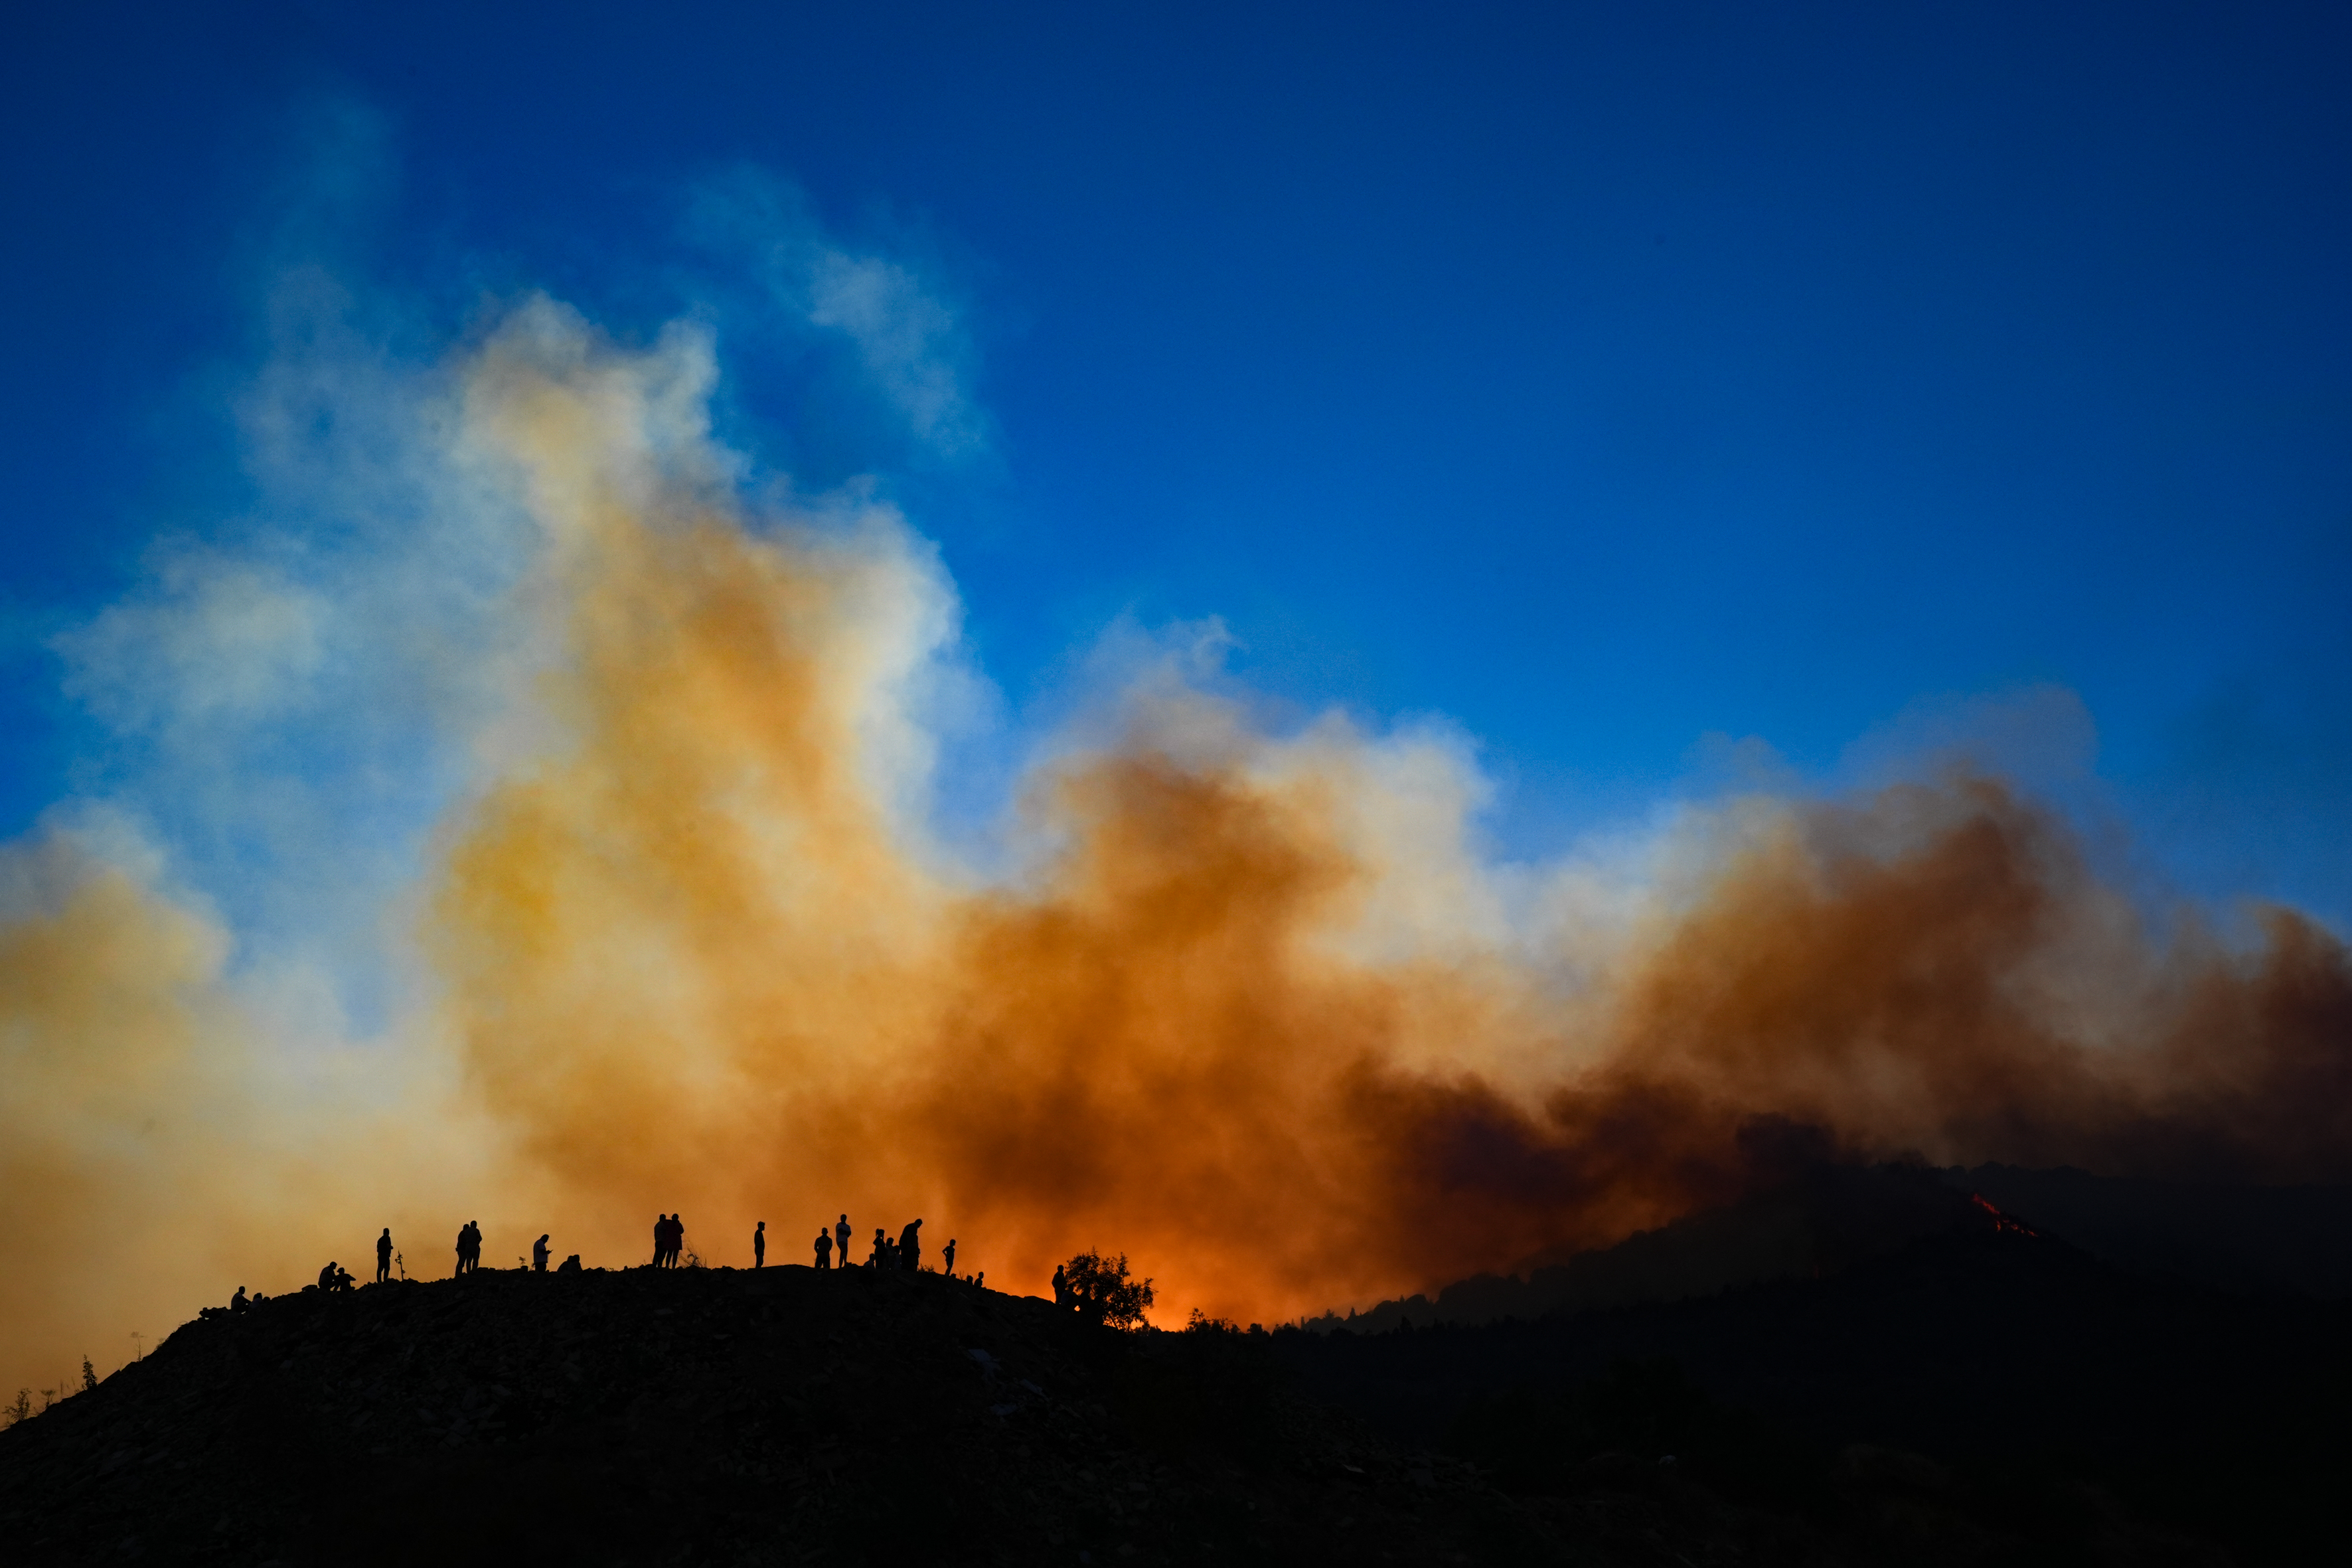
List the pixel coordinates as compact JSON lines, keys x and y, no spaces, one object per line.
{"x":22,"y":1410}
{"x":88,"y":1376}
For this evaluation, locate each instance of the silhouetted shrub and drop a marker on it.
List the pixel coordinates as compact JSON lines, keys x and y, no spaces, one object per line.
{"x":1101,"y":1291}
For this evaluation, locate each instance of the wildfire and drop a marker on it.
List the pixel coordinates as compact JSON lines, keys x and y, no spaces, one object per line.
{"x":2001,"y":1221}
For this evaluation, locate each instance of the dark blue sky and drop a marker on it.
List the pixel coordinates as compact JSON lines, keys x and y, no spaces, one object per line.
{"x":1600,"y":377}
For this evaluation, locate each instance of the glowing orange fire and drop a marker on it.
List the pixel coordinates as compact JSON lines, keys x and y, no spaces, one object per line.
{"x":2001,"y":1221}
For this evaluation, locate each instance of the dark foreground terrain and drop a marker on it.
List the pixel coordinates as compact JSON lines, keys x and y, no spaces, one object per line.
{"x":1965,"y":1392}
{"x":695,"y":1416}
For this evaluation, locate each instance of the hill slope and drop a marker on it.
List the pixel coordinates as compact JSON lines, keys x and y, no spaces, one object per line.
{"x":1959,"y":1392}
{"x":703,"y":1415}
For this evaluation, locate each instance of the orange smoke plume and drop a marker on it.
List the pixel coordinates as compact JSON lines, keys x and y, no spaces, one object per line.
{"x":693,"y":951}
{"x":1248,"y":1006}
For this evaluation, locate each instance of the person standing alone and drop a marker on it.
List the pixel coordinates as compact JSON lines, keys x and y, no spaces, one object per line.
{"x":759,"y":1246}
{"x":383,"y":1255}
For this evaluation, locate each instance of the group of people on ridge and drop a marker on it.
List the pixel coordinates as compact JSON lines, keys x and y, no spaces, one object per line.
{"x":904,"y":1255}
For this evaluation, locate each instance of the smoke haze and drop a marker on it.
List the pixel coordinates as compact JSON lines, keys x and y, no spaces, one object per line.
{"x":1246,"y":1005}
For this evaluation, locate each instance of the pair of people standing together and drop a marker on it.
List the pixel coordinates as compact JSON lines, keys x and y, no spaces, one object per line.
{"x":469,"y":1248}
{"x":670,"y":1240}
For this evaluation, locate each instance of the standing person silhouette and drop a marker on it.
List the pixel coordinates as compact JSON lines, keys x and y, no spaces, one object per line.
{"x":881,"y":1258}
{"x":661,"y":1238}
{"x":824,"y":1249}
{"x":946,"y":1258}
{"x":841,"y":1235}
{"x":539,"y":1255}
{"x":910,"y":1246}
{"x":759,"y":1246}
{"x":383,"y":1255}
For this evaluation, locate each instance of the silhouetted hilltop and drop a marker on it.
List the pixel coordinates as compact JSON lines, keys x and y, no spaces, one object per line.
{"x":1822,"y":1220}
{"x":2229,"y":1235}
{"x":2022,"y":1385}
{"x":1954,"y":1388}
{"x":693,"y":1415}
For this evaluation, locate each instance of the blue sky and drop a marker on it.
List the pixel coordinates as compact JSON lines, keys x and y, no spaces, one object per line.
{"x":1602,"y":378}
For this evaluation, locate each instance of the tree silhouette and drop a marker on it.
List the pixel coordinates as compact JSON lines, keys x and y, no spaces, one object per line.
{"x":1101,"y":1291}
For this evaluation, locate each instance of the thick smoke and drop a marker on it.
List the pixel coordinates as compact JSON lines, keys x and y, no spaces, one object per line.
{"x":1248,"y":1006}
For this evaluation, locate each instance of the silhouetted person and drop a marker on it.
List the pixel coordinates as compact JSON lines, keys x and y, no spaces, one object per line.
{"x":676,"y":1238}
{"x":759,"y":1246}
{"x":841,"y":1235}
{"x":539,"y":1255}
{"x":881,"y":1258}
{"x":237,"y":1303}
{"x":326,"y":1279}
{"x":469,"y":1246}
{"x":980,"y":1278}
{"x":910,"y":1246}
{"x":824,"y":1250}
{"x":383,"y":1255}
{"x":1061,"y":1287}
{"x":343,"y":1280}
{"x":570,"y":1265}
{"x":946,"y":1258}
{"x":661,"y":1238}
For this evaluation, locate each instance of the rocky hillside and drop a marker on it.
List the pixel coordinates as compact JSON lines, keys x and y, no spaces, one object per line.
{"x":719,"y":1417}
{"x":785,"y":1416}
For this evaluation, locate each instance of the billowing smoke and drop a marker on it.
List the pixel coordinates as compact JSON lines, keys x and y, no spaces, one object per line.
{"x":1246,"y":1005}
